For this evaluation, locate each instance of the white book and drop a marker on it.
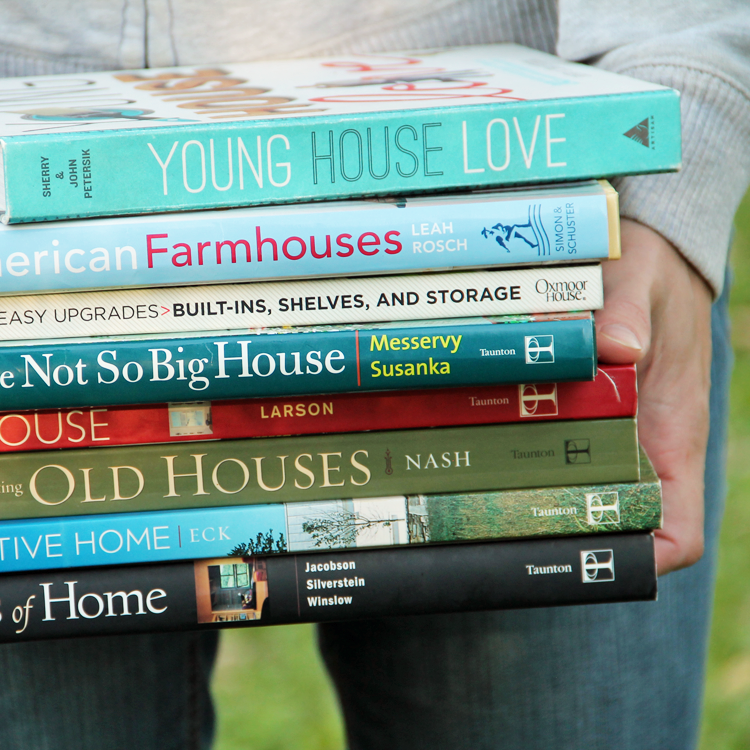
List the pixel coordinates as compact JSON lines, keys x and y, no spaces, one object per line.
{"x":367,"y":299}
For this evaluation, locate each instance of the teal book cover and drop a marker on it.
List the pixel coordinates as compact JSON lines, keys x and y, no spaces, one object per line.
{"x":285,"y":131}
{"x":297,"y":361}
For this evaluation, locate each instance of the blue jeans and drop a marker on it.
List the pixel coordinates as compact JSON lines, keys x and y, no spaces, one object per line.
{"x":575,"y":678}
{"x":609,"y":677}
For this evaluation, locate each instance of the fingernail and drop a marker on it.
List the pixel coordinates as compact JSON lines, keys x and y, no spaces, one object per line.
{"x":622,"y":335}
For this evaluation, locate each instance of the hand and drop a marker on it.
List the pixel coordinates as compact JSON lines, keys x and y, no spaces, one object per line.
{"x":657,"y":313}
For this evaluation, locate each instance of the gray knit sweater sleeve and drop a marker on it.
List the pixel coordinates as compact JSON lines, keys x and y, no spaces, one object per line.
{"x":703,"y":50}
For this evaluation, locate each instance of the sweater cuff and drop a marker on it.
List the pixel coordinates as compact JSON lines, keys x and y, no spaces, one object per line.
{"x":694,"y":208}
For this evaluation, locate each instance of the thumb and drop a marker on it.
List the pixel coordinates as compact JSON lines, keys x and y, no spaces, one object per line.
{"x":623,"y":325}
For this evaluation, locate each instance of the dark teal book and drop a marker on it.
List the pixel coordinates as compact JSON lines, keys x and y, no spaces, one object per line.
{"x":297,"y":361}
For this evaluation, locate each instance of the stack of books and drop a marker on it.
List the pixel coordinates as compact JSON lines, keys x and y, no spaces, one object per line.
{"x":401,"y":414}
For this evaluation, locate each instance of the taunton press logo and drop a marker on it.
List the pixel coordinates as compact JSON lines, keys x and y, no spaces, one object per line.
{"x":578,"y":451}
{"x":539,"y":349}
{"x":537,"y":400}
{"x":602,"y":508}
{"x":597,"y":565}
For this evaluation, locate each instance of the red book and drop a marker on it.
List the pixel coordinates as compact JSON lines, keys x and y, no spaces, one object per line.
{"x":612,"y":394}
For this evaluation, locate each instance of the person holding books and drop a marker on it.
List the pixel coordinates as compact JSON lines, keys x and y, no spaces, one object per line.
{"x":620,"y":676}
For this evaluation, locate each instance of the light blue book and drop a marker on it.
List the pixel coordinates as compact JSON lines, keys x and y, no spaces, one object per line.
{"x":562,"y":224}
{"x":239,"y":531}
{"x":267,"y":133}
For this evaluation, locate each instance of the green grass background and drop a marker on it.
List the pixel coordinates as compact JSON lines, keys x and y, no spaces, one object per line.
{"x":272,"y":692}
{"x":726,"y":724}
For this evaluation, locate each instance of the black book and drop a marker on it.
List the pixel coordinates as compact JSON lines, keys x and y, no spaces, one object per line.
{"x":324,"y":587}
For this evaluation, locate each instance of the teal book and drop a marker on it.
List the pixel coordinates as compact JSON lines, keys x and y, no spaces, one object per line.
{"x":133,"y":142}
{"x":297,"y":361}
{"x":307,"y":468}
{"x":163,"y":536}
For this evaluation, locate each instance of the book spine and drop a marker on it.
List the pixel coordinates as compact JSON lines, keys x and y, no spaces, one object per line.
{"x":291,"y":362}
{"x":314,"y":302}
{"x":312,"y":158}
{"x":165,"y":536}
{"x":317,"y":467}
{"x":356,"y":584}
{"x":610,"y":395}
{"x":570,"y":223}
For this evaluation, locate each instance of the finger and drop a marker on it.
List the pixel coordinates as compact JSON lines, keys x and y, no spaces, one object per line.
{"x":680,"y":544}
{"x":673,"y":419}
{"x":623,"y":326}
{"x":657,"y":313}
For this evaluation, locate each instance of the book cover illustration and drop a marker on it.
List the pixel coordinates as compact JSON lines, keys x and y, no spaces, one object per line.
{"x":236,"y":590}
{"x":346,"y":85}
{"x":566,"y":223}
{"x":297,"y":361}
{"x":275,"y":132}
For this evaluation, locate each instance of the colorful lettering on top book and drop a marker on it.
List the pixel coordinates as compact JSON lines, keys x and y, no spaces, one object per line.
{"x":566,"y":223}
{"x":261,"y":133}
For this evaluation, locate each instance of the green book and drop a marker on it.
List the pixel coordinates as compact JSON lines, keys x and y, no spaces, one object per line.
{"x":243,"y":530}
{"x":317,"y":467}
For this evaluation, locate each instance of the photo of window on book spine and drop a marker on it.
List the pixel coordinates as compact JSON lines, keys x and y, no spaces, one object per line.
{"x":233,"y":589}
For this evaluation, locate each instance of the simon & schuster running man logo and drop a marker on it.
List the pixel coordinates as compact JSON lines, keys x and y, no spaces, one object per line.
{"x":540,"y":350}
{"x":602,"y":508}
{"x":520,"y":238}
{"x":597,"y":565}
{"x":537,"y":400}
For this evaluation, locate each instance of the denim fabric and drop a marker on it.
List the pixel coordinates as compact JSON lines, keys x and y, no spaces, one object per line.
{"x":606,"y":677}
{"x":140,"y":692}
